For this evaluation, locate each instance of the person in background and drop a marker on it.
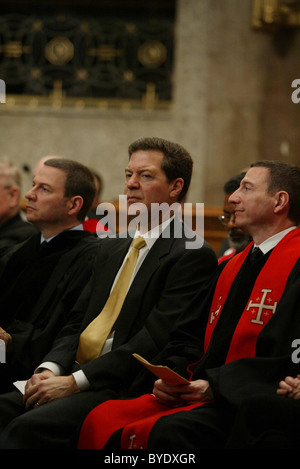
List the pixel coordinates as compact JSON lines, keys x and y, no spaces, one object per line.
{"x":99,"y":189}
{"x":92,"y":222}
{"x":13,"y":229}
{"x":237,"y":239}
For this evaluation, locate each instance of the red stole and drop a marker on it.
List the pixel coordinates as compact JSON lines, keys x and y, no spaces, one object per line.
{"x":138,"y":416}
{"x":135,"y":415}
{"x":264,"y":297}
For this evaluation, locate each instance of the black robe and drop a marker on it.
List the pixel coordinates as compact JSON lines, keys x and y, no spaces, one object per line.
{"x":231,"y":382}
{"x":38,"y":288}
{"x":15,"y":231}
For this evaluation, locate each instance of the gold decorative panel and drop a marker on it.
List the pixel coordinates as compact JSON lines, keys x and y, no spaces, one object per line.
{"x":84,"y":59}
{"x":272,"y":15}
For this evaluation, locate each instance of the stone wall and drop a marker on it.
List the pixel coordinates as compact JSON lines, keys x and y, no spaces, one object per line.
{"x":232,"y":105}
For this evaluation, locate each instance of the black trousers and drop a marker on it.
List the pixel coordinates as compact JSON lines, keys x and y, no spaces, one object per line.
{"x":265,"y":421}
{"x":53,"y":425}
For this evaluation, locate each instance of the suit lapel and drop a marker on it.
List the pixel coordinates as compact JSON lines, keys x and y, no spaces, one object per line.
{"x":110,"y":259}
{"x":132,"y":303}
{"x":106,"y":266}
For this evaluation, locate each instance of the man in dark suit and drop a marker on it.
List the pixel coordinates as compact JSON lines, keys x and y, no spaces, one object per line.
{"x":39,"y":284}
{"x":172,"y":267}
{"x":13,"y":229}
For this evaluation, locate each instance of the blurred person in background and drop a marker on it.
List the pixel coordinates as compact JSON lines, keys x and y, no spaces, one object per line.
{"x":236,"y":239}
{"x":13,"y":229}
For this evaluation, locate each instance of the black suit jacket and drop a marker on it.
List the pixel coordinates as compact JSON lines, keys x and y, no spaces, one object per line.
{"x":160,"y":294}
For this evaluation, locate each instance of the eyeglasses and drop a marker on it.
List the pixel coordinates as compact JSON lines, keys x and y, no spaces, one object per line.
{"x":225,"y":219}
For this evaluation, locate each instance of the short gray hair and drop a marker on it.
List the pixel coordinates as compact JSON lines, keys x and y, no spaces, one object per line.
{"x":10,"y":173}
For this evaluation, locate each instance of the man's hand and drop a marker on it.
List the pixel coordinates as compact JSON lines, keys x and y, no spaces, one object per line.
{"x":290,"y":387}
{"x":174,"y":396}
{"x":45,"y":387}
{"x":7,"y":338}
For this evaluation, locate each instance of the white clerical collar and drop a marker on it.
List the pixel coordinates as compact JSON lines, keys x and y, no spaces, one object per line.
{"x":271,"y":242}
{"x":75,"y":228}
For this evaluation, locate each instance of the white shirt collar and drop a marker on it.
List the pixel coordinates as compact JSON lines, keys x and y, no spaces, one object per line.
{"x":152,"y":235}
{"x":75,"y":228}
{"x":271,"y":242}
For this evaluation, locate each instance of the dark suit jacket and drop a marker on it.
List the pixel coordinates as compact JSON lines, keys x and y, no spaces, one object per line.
{"x":161,"y":292}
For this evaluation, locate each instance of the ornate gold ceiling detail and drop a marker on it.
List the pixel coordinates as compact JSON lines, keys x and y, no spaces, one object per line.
{"x":272,"y":15}
{"x":86,"y":62}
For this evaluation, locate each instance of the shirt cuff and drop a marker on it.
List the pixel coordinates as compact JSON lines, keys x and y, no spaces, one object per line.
{"x":81,"y":380}
{"x":54,"y":367}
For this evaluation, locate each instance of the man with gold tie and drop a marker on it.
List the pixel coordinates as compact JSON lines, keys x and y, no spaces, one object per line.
{"x":83,"y":370}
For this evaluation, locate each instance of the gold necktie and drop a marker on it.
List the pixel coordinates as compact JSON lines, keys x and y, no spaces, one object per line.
{"x":92,"y":339}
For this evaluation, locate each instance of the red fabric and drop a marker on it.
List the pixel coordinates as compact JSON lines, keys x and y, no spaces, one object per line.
{"x":106,"y":418}
{"x":93,"y":225}
{"x":222,"y":289}
{"x":136,"y":433}
{"x":225,"y":257}
{"x":265,"y":295}
{"x":137,"y":416}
